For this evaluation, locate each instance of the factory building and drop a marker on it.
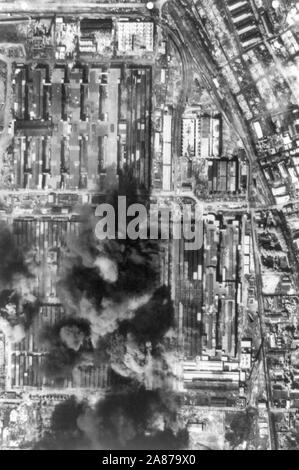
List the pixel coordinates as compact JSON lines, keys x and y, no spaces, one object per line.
{"x":210,"y":136}
{"x":244,"y":21}
{"x":190,"y":137}
{"x":46,"y":238}
{"x":134,"y":37}
{"x":66,"y":131}
{"x":224,"y":175}
{"x":166,"y":155}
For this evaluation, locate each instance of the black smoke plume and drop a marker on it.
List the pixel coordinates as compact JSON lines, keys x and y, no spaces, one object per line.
{"x":113,"y":285}
{"x":128,"y":318}
{"x":68,"y":341}
{"x":18,"y":304}
{"x":152,"y":321}
{"x":133,"y":419}
{"x":12,"y":259}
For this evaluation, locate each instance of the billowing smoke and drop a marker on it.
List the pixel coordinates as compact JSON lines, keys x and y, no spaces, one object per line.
{"x":112,"y":285}
{"x":18,"y":304}
{"x":107,"y":268}
{"x":153,"y":319}
{"x":137,"y":348}
{"x":69,"y":345}
{"x":14,"y":333}
{"x":13,"y":264}
{"x":134,"y":419}
{"x":108,"y":317}
{"x":72,"y":337}
{"x":117,"y":314}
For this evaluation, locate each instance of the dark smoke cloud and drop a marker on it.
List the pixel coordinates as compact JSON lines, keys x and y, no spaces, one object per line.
{"x":137,"y":265}
{"x":134,"y":419}
{"x":18,"y":304}
{"x":108,"y":283}
{"x":80,"y":282}
{"x":152,"y":321}
{"x":138,"y":260}
{"x":64,"y":354}
{"x":143,"y":348}
{"x":113,"y":287}
{"x":12,"y":259}
{"x":64,"y":433}
{"x":16,"y":309}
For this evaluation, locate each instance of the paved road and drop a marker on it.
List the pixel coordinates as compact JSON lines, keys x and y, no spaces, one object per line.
{"x":5,"y":137}
{"x":67,"y":6}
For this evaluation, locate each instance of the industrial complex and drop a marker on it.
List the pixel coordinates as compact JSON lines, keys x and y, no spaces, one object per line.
{"x":190,"y":105}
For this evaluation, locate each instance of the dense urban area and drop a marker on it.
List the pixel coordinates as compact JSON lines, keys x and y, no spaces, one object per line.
{"x":140,"y":344}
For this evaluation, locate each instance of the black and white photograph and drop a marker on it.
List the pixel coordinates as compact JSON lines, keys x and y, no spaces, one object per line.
{"x":149,"y":228}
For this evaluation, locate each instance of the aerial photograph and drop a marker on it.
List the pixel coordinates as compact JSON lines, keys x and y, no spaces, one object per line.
{"x":149,"y":227}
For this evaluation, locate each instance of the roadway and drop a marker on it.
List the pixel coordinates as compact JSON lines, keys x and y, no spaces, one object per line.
{"x":228,"y":206}
{"x":5,"y":137}
{"x":53,"y":6}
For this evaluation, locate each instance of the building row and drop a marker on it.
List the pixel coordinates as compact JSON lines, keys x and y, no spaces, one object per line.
{"x":221,"y":285}
{"x":244,"y":22}
{"x":226,"y":176}
{"x":27,"y":372}
{"x":44,"y":239}
{"x":201,"y":136}
{"x":70,"y":137}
